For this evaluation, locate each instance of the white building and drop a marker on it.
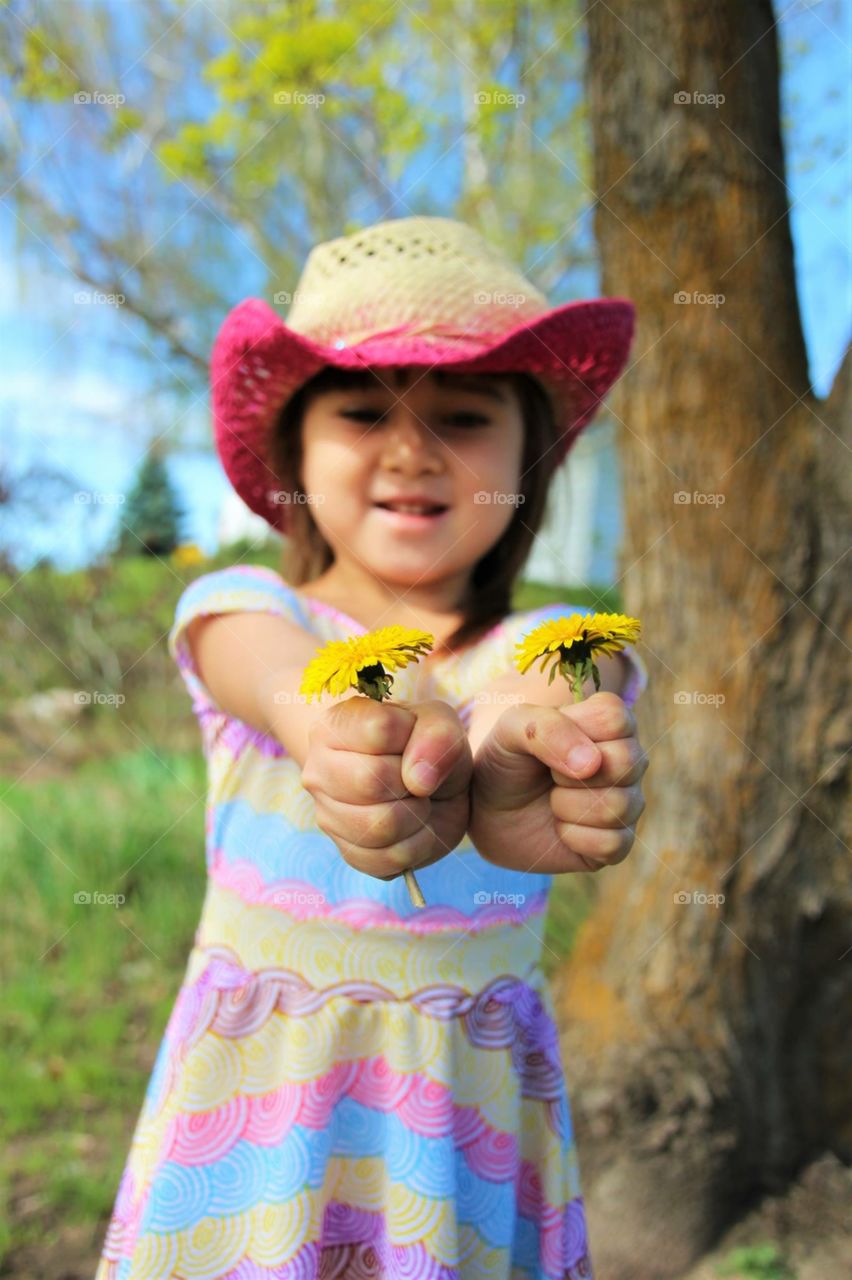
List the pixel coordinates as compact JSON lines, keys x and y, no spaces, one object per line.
{"x":237,"y":521}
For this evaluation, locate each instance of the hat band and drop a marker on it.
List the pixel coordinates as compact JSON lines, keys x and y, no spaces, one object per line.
{"x":425,"y":328}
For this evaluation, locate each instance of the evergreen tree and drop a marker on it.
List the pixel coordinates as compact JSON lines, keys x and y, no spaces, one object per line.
{"x":152,"y":514}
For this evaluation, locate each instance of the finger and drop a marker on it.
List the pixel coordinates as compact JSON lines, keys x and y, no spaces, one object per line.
{"x":603,"y":716}
{"x":386,"y":864}
{"x":604,"y":846}
{"x":624,"y":764}
{"x":416,"y":866}
{"x":353,"y":777}
{"x":608,"y":807}
{"x":548,"y":735}
{"x":374,"y":826}
{"x":364,"y":725}
{"x":437,"y":759}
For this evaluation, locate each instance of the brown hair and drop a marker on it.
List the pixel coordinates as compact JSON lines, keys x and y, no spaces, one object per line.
{"x":489,"y":599}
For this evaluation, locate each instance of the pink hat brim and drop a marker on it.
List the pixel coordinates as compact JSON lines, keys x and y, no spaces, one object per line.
{"x":577,"y":351}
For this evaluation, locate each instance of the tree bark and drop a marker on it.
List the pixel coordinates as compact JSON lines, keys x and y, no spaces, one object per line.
{"x":704,"y":1040}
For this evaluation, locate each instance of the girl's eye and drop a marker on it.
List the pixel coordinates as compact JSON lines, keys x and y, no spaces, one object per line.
{"x":476,"y":419}
{"x":361,"y":414}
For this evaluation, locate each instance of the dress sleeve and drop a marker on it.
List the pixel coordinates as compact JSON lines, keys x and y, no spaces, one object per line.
{"x":242,"y":589}
{"x":637,"y":672}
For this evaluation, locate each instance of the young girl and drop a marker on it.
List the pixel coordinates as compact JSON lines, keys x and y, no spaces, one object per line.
{"x":349,"y":1085}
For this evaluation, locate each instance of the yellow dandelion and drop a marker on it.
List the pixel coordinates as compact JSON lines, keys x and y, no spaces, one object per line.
{"x":186,"y":554}
{"x":365,"y":663}
{"x":570,"y":644}
{"x":360,"y":662}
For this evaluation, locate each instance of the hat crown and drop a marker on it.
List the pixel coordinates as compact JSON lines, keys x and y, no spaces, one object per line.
{"x":433,"y":277}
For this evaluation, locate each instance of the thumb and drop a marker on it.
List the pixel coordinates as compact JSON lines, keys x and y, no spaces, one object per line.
{"x":551,"y":736}
{"x":437,"y":760}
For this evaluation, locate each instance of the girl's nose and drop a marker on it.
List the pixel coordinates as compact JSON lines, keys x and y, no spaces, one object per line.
{"x":408,"y":432}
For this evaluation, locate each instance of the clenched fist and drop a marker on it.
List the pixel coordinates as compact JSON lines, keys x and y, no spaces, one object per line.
{"x":532,"y":810}
{"x":362,"y":771}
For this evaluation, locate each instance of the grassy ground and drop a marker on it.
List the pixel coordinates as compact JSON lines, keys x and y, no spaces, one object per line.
{"x":89,"y":985}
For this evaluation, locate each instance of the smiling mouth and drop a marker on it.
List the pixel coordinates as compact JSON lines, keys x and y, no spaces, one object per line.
{"x":405,"y":509}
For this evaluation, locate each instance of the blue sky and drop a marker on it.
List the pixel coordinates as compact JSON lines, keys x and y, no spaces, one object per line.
{"x":70,"y":400}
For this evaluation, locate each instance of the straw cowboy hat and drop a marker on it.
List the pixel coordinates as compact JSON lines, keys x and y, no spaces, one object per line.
{"x":410,"y":291}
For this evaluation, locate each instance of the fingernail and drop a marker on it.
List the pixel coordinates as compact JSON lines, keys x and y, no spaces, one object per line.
{"x":581,"y":757}
{"x":425,"y":775}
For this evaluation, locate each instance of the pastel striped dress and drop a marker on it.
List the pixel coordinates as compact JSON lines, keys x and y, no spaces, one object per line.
{"x":349,"y":1086}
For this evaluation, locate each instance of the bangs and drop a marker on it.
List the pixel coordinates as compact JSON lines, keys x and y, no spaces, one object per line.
{"x":394,"y":377}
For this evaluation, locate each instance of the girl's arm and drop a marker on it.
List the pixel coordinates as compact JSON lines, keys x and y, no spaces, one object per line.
{"x":252,"y":664}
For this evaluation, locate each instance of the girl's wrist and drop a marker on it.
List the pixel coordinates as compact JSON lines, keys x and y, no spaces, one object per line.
{"x":480,"y":837}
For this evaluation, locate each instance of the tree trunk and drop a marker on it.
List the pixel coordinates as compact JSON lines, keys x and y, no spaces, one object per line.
{"x":703,"y":1038}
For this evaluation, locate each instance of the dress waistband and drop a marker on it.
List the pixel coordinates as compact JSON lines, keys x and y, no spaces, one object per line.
{"x":325,"y":952}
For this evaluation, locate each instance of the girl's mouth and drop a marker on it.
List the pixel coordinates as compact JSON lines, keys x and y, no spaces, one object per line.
{"x":400,"y":519}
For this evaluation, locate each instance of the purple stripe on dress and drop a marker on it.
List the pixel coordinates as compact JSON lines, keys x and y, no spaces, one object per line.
{"x":576,"y":1239}
{"x":237,"y":735}
{"x":508,"y":1013}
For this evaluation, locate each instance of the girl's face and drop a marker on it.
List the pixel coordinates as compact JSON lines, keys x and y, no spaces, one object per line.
{"x":453,"y":439}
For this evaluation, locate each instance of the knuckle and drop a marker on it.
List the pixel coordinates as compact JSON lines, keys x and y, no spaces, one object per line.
{"x":381,"y":828}
{"x":633,"y":804}
{"x":387,"y":779}
{"x":618,"y":806}
{"x":398,"y":855}
{"x":355,"y":857}
{"x":441,"y":711}
{"x":610,"y":843}
{"x":375,"y":726}
{"x":366,"y":777}
{"x":401,"y":819}
{"x":446,"y":746}
{"x":324,"y":823}
{"x":394,"y":875}
{"x":391,"y":861}
{"x":521,"y":716}
{"x":611,"y":710}
{"x":624,"y":763}
{"x":362,"y":723}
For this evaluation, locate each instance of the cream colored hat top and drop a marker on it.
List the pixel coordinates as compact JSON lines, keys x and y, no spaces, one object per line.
{"x":427,"y":275}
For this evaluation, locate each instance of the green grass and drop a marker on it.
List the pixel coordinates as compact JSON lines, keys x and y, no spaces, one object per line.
{"x":571,"y":901}
{"x":89,"y":986}
{"x":756,"y":1262}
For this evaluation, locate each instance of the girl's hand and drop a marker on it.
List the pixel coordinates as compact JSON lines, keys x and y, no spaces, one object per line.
{"x":531,"y":811}
{"x":359,"y":770}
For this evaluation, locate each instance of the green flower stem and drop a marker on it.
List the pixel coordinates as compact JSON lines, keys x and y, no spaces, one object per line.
{"x":377,"y":687}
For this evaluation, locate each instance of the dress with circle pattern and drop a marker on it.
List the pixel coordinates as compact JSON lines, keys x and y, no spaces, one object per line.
{"x":349,"y":1086}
